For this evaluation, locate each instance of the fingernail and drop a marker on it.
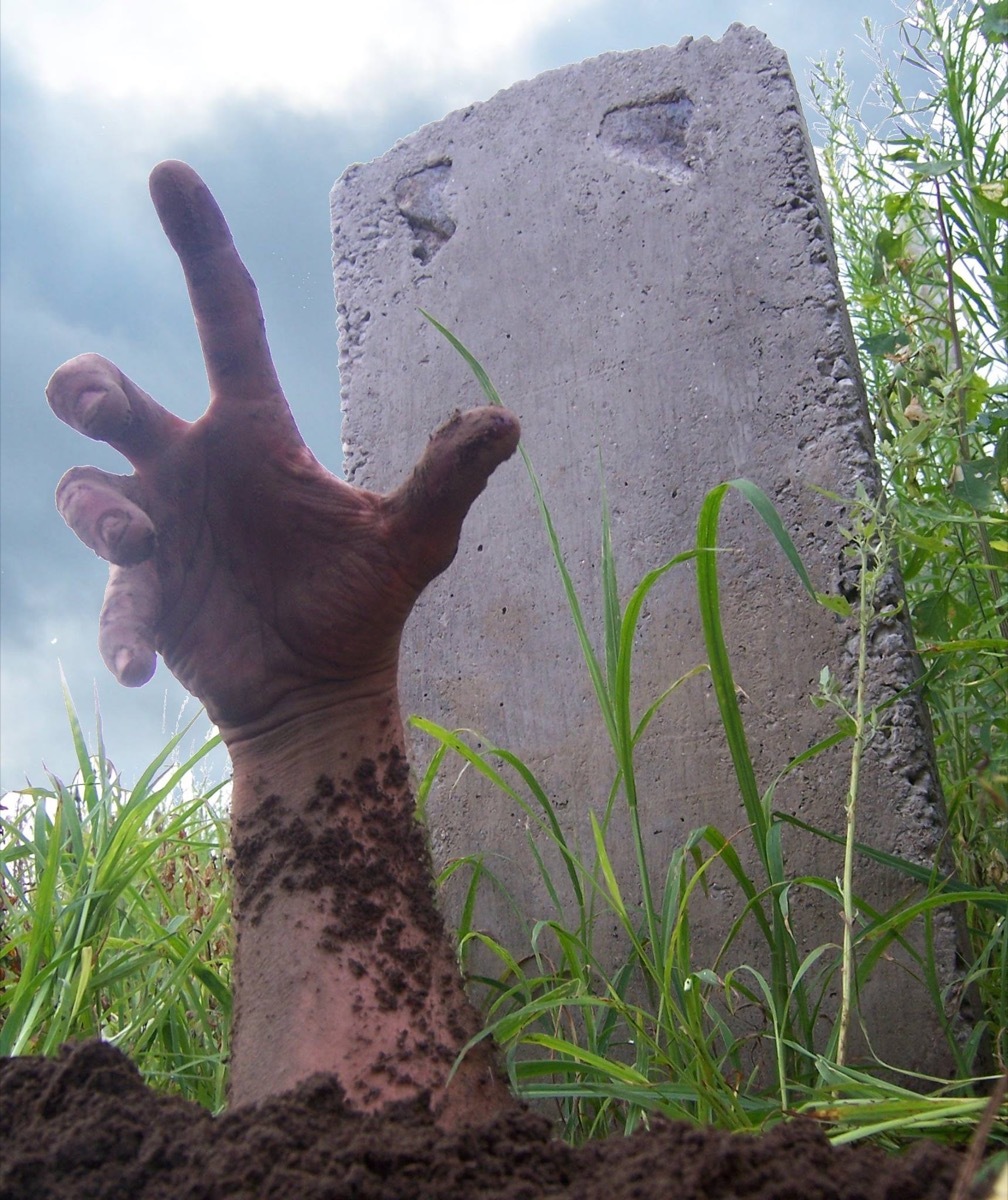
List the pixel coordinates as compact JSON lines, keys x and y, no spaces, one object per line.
{"x":87,"y":405}
{"x":111,"y":528}
{"x":102,"y":412}
{"x":133,"y":669}
{"x":127,"y":539}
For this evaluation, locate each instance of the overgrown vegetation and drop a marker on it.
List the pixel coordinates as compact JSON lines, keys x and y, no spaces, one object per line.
{"x":116,"y":918}
{"x":917,"y":183}
{"x":115,"y":898}
{"x":609,"y":1044}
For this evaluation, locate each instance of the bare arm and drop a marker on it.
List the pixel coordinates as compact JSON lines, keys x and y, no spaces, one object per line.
{"x":277,"y":593}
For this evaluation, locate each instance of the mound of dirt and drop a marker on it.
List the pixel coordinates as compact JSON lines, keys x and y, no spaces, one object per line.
{"x":84,"y":1125}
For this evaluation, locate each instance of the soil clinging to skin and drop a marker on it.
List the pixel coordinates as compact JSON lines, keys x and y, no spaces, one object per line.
{"x":85,"y":1126}
{"x":381,"y":917}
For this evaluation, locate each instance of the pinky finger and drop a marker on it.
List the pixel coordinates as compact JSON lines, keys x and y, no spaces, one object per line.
{"x":129,"y":618}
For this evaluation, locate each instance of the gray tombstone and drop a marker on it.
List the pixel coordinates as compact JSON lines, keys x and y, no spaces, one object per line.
{"x":637,"y":250}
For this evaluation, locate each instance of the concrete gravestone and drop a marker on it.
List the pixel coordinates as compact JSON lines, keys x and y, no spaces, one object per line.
{"x":636,"y":249}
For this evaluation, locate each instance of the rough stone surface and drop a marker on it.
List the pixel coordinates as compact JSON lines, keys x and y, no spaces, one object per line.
{"x":636,"y":249}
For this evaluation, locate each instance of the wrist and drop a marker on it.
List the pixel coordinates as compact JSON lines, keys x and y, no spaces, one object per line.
{"x":322,"y":731}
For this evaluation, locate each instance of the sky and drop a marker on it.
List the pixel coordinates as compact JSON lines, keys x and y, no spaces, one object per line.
{"x":270,"y":103}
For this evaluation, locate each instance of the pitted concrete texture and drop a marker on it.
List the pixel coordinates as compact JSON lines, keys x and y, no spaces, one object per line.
{"x":636,"y":249}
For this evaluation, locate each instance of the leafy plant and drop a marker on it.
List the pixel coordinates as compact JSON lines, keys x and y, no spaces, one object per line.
{"x":917,"y":184}
{"x":116,"y":918}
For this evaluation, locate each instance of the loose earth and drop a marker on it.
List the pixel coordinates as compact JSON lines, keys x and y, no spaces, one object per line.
{"x":84,"y":1126}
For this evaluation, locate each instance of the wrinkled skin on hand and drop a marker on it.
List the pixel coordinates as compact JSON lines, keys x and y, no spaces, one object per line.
{"x":277,"y":594}
{"x":267,"y":584}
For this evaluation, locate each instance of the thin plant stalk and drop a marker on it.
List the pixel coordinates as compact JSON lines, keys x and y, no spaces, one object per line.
{"x":848,"y":965}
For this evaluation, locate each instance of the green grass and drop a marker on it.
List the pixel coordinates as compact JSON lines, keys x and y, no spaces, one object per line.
{"x":115,"y":897}
{"x":116,"y":918}
{"x":607,"y":1045}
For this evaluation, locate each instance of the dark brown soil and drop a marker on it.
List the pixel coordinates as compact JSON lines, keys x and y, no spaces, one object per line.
{"x":85,"y":1126}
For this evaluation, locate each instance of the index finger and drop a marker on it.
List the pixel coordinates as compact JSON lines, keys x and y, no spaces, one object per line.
{"x":224,"y":299}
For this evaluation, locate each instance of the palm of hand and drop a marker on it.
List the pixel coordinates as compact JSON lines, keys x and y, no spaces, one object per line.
{"x":262,"y":579}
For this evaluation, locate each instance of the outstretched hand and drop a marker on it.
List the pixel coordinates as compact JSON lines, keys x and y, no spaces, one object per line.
{"x":266,"y":583}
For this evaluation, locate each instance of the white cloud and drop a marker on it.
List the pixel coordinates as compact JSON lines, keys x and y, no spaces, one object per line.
{"x":342,"y":56}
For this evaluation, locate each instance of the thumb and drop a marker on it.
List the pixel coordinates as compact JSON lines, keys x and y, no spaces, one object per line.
{"x":427,"y":511}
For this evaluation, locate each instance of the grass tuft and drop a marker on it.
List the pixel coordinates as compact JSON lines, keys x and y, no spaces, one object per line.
{"x":116,"y":917}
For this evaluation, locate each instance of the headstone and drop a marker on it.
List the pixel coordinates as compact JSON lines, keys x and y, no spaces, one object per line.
{"x":637,"y":250}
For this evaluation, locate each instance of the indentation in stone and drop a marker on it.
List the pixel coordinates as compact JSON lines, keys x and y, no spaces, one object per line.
{"x":650,"y":135}
{"x":421,"y":199}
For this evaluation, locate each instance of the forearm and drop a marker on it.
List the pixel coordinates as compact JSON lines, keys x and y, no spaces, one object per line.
{"x":342,"y":962}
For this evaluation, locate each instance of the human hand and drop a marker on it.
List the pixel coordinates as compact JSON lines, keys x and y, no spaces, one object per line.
{"x":268,"y":585}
